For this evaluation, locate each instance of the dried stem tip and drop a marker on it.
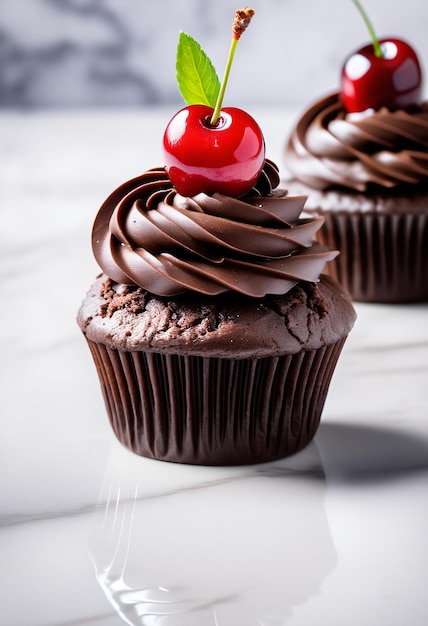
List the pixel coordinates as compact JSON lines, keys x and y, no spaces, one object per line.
{"x":242,"y":20}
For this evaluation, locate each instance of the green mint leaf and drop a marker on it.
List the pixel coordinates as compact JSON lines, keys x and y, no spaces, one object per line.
{"x":196,"y":76}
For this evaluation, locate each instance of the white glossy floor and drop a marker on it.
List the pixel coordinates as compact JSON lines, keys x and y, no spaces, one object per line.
{"x":92,"y":535}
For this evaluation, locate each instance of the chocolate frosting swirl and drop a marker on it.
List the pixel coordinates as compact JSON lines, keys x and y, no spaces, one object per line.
{"x":385,"y":148}
{"x":146,"y":234}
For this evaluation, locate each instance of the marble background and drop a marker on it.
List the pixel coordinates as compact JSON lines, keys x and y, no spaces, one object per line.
{"x":104,"y":53}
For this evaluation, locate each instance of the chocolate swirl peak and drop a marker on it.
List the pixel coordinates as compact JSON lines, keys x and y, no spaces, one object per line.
{"x":146,"y":234}
{"x":385,"y":148}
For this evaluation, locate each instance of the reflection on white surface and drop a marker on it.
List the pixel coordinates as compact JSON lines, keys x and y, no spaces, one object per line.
{"x":238,"y":549}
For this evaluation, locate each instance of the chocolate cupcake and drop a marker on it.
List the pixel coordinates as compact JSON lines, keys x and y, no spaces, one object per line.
{"x":367,"y":176}
{"x":214,"y":337}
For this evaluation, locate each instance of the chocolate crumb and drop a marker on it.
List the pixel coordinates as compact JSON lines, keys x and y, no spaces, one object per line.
{"x":315,"y":299}
{"x":133,"y":299}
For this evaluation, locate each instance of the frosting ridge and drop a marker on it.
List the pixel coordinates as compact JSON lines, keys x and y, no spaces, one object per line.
{"x":385,"y":148}
{"x":146,"y":234}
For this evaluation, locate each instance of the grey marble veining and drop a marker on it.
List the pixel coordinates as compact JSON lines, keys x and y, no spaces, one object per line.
{"x":67,"y":53}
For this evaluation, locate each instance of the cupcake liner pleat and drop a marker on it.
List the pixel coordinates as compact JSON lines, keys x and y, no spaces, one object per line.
{"x":214,"y":411}
{"x":383,"y":258}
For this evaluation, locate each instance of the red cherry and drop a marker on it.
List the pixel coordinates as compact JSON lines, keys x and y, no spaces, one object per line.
{"x":393,"y":80}
{"x":226,"y":157}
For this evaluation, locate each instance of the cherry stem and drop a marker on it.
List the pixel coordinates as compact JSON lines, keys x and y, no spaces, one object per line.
{"x":241,"y":21}
{"x":376,"y":46}
{"x":218,"y":105}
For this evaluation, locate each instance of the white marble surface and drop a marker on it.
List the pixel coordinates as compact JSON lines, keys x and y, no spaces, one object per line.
{"x":73,"y":53}
{"x":93,"y":535}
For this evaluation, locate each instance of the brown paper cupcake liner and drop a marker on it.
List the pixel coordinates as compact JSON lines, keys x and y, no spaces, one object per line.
{"x":213,"y":411}
{"x":383,"y":258}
